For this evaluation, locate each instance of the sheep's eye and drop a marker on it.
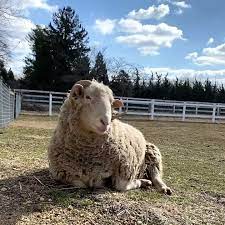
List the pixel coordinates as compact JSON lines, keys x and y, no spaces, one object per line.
{"x":88,"y":97}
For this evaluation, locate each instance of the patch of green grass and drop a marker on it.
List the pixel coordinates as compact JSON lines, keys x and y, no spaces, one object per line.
{"x":47,"y":118}
{"x":193,"y":159}
{"x":65,"y":198}
{"x":24,"y":144}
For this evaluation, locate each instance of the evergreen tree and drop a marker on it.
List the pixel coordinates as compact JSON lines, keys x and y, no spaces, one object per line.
{"x":185,"y":91}
{"x":157,"y":87}
{"x":198,"y":91}
{"x":209,"y":96}
{"x":137,"y":88}
{"x":150,"y":87}
{"x":69,"y":48}
{"x":121,"y":84}
{"x":176,"y":90}
{"x":166,"y":88}
{"x":215,"y":93}
{"x":99,"y":71}
{"x":3,"y":71}
{"x":143,"y":89}
{"x":39,"y":68}
{"x":221,"y":94}
{"x":60,"y":53}
{"x":7,"y":76}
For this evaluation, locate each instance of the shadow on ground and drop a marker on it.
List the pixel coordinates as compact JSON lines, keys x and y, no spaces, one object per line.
{"x":37,"y":192}
{"x":34,"y":198}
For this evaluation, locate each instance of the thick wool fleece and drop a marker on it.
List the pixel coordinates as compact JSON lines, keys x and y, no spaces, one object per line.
{"x":77,"y":155}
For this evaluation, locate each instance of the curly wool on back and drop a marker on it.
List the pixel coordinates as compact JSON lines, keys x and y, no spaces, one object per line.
{"x":86,"y":159}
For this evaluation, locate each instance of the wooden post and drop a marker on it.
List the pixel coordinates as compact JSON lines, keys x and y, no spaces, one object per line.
{"x":50,"y":104}
{"x":214,"y":113}
{"x":120,"y":109}
{"x":152,"y":109}
{"x":127,"y":105}
{"x":1,"y":103}
{"x":184,"y":111}
{"x":196,"y":110}
{"x":149,"y":109}
{"x":218,"y":111}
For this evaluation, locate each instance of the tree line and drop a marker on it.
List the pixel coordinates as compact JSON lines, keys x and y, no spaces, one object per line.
{"x":61,"y":56}
{"x":157,"y":86}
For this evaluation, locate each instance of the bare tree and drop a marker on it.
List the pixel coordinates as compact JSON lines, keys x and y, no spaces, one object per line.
{"x":7,"y":13}
{"x":115,"y":65}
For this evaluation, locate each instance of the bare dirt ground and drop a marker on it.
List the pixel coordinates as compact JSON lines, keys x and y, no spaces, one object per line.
{"x":194,"y":165}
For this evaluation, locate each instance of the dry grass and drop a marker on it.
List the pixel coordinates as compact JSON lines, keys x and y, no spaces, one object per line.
{"x":194,"y":161}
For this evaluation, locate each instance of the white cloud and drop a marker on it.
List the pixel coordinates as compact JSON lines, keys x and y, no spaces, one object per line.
{"x":105,"y":26}
{"x":18,"y":43}
{"x":192,"y":55}
{"x":210,"y":41}
{"x":18,"y":30}
{"x":182,"y":4}
{"x":149,"y":50}
{"x":130,"y":25}
{"x":213,"y":75}
{"x":147,"y":38}
{"x":209,"y":56}
{"x":179,"y":5}
{"x":38,"y":4}
{"x":179,"y":11}
{"x":153,"y":12}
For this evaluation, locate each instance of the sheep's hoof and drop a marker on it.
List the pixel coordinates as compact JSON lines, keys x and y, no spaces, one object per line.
{"x":166,"y":191}
{"x":145,"y":183}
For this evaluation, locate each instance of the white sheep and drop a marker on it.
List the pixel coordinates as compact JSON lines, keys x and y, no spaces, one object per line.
{"x":88,"y":147}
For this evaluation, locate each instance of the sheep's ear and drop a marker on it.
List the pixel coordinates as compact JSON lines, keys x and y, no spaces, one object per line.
{"x":77,"y":91}
{"x":84,"y":83}
{"x":117,"y":103}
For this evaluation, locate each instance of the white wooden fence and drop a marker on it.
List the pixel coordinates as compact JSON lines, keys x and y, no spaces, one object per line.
{"x":10,"y":104}
{"x":46,"y":98}
{"x":154,"y":108}
{"x":149,"y":108}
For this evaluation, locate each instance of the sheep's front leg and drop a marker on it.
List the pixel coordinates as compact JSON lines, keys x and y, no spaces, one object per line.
{"x":124,"y":185}
{"x":65,"y":177}
{"x":78,"y":184}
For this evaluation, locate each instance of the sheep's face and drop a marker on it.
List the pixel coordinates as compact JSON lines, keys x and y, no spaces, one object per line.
{"x":96,"y":102}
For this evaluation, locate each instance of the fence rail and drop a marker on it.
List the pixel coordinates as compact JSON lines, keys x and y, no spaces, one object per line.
{"x":10,"y":104}
{"x":150,"y":108}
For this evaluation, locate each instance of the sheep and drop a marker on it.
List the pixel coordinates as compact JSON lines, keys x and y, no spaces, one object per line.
{"x":89,"y":147}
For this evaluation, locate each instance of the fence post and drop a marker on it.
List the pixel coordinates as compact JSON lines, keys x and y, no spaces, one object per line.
{"x":218,"y":111}
{"x":127,"y":105}
{"x":196,"y":110}
{"x":120,"y":109}
{"x":214,"y":113}
{"x":17,"y":104}
{"x":1,"y":103}
{"x":13,"y":97}
{"x":20,"y":103}
{"x":184,"y":111}
{"x":152,"y":108}
{"x":50,"y":104}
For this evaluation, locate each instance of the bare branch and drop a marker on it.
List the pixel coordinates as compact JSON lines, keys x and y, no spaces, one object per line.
{"x":8,"y":12}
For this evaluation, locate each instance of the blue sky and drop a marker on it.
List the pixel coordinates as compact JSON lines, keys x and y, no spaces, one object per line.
{"x":185,"y":38}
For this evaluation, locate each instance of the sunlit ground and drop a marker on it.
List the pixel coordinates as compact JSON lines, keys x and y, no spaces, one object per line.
{"x":194,"y":167}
